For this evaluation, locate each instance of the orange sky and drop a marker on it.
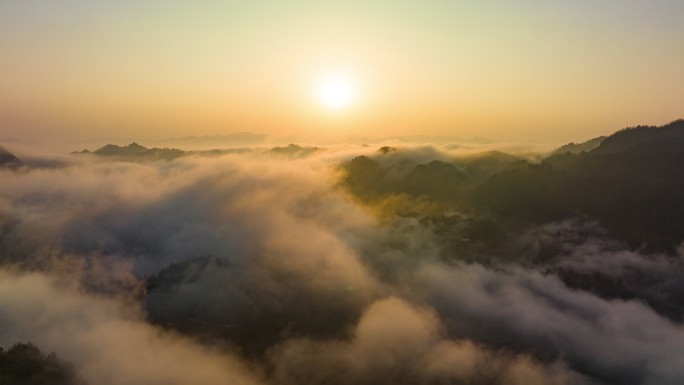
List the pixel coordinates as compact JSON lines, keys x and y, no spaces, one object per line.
{"x":535,"y":70}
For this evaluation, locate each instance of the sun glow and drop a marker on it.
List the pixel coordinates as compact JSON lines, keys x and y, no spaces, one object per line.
{"x":337,"y":90}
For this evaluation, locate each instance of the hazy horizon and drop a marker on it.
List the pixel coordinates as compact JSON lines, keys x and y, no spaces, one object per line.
{"x":552,"y":71}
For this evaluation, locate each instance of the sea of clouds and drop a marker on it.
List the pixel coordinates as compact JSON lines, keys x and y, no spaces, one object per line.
{"x":254,"y":268}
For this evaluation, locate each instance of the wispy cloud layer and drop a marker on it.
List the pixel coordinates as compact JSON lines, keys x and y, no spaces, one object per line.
{"x":268,"y":272}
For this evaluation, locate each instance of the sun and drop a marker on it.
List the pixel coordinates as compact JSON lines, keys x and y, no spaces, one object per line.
{"x":337,"y":90}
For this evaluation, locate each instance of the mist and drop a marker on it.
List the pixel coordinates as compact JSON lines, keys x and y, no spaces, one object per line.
{"x":280,"y":267}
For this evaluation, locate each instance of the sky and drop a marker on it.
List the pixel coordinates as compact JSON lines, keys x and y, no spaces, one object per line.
{"x":527,"y":70}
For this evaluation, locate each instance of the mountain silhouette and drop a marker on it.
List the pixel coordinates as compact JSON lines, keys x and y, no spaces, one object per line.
{"x":577,"y":148}
{"x":295,"y":151}
{"x":630,"y":181}
{"x":9,"y":160}
{"x":112,"y":149}
{"x":437,"y":179}
{"x":447,"y":182}
{"x":642,"y":136}
{"x":134,"y":151}
{"x":567,"y":155}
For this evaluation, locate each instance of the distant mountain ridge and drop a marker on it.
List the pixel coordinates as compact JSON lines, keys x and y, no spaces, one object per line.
{"x":295,"y":151}
{"x":112,"y":149}
{"x":136,"y":151}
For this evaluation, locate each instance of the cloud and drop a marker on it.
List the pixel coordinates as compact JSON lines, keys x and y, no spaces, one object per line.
{"x":395,"y":342}
{"x":167,"y":212}
{"x":267,"y":272}
{"x":538,"y":313}
{"x":106,"y":343}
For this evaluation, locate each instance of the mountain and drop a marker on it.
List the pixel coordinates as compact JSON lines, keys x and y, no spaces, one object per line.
{"x":26,"y":364}
{"x":567,"y":155}
{"x":437,"y":179}
{"x":112,"y":149}
{"x":632,"y":183}
{"x":576,"y":215}
{"x":391,"y":171}
{"x":135,"y":151}
{"x":8,"y":160}
{"x":577,"y":148}
{"x":295,"y":151}
{"x":365,"y":178}
{"x":481,"y":167}
{"x":644,"y":137}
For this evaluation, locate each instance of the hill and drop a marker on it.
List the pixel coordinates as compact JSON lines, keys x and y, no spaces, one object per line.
{"x":631,"y":182}
{"x":642,"y":136}
{"x":134,"y":151}
{"x":9,"y":160}
{"x":26,"y":364}
{"x":577,"y":148}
